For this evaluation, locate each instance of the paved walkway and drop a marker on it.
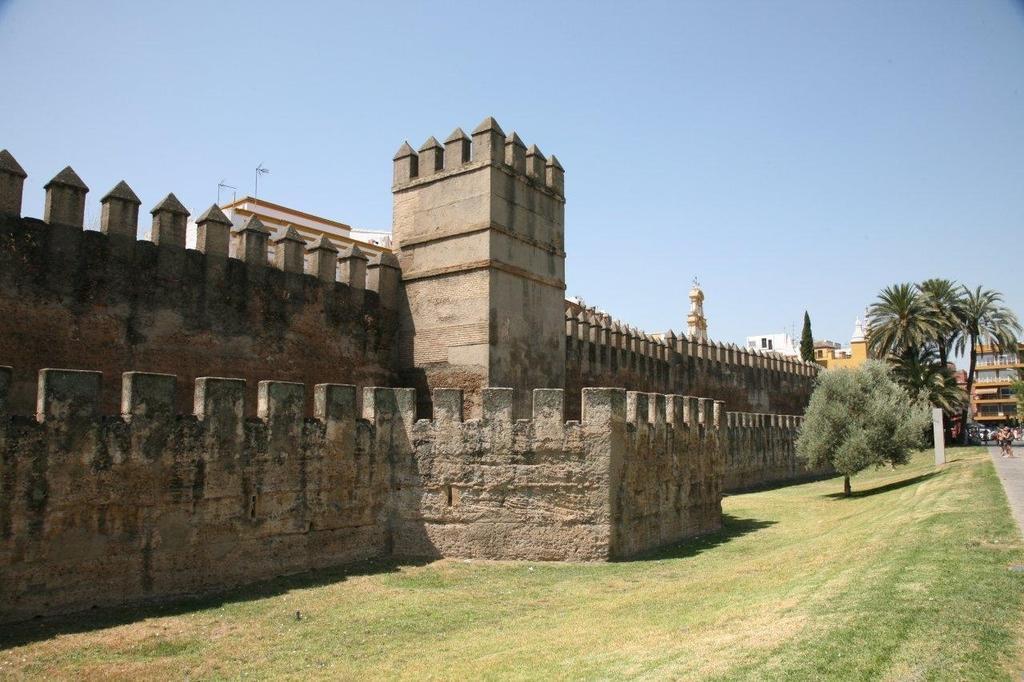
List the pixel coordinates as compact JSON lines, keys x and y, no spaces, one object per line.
{"x":1011,"y":473}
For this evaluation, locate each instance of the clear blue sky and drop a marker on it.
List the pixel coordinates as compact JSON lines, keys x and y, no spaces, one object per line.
{"x":793,"y":155}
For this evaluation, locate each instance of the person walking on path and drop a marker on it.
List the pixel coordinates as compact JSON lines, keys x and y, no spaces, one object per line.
{"x":1005,"y":439}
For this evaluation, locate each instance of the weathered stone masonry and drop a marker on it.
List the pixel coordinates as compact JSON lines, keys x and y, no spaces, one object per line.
{"x":74,"y":298}
{"x":761,"y":452}
{"x":101,"y":510}
{"x":105,"y":510}
{"x":479,"y":225}
{"x":146,"y":504}
{"x":601,"y":351}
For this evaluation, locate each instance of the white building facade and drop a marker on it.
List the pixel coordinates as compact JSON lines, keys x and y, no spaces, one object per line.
{"x":776,"y":343}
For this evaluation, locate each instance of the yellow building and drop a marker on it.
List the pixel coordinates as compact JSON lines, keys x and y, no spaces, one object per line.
{"x":992,"y":400}
{"x":831,"y":356}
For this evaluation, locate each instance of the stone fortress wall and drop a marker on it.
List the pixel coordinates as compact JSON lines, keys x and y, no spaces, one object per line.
{"x":102,"y":510}
{"x":147,"y":504}
{"x":106,"y":301}
{"x":601,"y":351}
{"x":761,"y":452}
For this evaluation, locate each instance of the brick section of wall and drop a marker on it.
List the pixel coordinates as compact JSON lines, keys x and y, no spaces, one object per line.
{"x":432,"y":344}
{"x":85,"y":299}
{"x":448,"y":346}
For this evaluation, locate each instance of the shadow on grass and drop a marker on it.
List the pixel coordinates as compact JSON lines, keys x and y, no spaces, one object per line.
{"x":895,"y":485}
{"x":732,"y":528}
{"x":775,"y":485}
{"x":43,"y":628}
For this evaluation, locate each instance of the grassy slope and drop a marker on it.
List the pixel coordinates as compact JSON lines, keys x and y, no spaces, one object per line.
{"x":909,"y":580}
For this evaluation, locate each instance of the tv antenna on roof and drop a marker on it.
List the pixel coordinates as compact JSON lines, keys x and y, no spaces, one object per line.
{"x":260,"y":170}
{"x":234,"y":191}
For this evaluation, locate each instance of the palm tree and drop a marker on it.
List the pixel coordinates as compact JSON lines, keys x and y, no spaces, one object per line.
{"x":984,"y":320}
{"x":899,"y":320}
{"x":943,"y":299}
{"x":919,"y":371}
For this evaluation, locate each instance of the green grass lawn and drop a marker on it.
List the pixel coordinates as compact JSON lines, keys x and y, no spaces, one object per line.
{"x":909,"y":579}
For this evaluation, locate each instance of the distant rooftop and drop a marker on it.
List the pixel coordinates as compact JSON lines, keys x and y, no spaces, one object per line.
{"x":250,"y":203}
{"x":279,"y":217}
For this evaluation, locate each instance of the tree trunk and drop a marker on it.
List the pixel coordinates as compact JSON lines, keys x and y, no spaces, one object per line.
{"x":970,"y":386}
{"x":846,"y":486}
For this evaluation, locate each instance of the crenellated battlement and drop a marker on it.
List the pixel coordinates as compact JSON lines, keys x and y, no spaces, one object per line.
{"x":114,"y":302}
{"x":489,"y":146}
{"x":119,"y":216}
{"x":739,"y":420}
{"x":146,"y":504}
{"x":761,"y":450}
{"x":603,"y":350}
{"x":638,"y":470}
{"x":69,"y":398}
{"x":593,"y":326}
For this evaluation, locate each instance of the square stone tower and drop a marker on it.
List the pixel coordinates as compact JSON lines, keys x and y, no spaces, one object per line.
{"x":480,"y":230}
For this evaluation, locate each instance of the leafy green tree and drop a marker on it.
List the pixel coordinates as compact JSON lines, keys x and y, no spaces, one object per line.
{"x":807,"y":340}
{"x":858,"y":418}
{"x":898,"y":320}
{"x":984,"y":320}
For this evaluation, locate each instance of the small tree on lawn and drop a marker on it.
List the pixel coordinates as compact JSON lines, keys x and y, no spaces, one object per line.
{"x":807,"y":340}
{"x":859,"y":418}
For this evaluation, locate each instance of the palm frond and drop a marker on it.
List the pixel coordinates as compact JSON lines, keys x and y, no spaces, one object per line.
{"x":899,"y":320}
{"x":923,"y":375}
